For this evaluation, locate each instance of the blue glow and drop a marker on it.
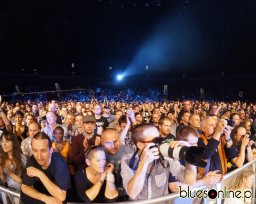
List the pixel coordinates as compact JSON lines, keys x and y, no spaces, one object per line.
{"x":119,"y":77}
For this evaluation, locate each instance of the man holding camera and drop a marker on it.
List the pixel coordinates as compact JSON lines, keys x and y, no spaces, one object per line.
{"x":145,"y":173}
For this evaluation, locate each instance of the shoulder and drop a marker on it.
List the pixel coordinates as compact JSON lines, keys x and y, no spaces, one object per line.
{"x":57,"y":159}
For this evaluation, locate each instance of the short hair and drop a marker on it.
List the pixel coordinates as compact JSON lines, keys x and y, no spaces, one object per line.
{"x":89,"y":152}
{"x":35,"y":123}
{"x":232,"y":116}
{"x":122,"y":119}
{"x":161,"y":121}
{"x":118,"y":110}
{"x":60,"y":129}
{"x":138,"y":113}
{"x":181,"y":114}
{"x":137,"y":133}
{"x":43,"y":136}
{"x":184,"y":131}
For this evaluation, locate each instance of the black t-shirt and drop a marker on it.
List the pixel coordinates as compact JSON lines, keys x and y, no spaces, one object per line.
{"x":83,"y":184}
{"x":102,"y":122}
{"x":57,"y":172}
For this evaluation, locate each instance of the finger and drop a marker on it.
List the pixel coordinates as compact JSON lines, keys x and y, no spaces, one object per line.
{"x":148,"y":145}
{"x":156,"y":157}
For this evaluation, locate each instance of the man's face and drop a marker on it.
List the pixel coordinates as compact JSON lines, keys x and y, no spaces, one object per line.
{"x":89,"y":127}
{"x":34,"y":108}
{"x":236,"y":119}
{"x":52,"y":107}
{"x":97,"y":110}
{"x":79,"y":121}
{"x":41,"y":152}
{"x":118,"y":115}
{"x":148,"y":135}
{"x":111,"y":142}
{"x":242,"y":115}
{"x":187,"y":105}
{"x":241,"y":132}
{"x":165,"y":128}
{"x":192,"y":140}
{"x":185,"y":117}
{"x":155,"y":117}
{"x":33,"y":129}
{"x":51,"y":118}
{"x":209,"y":126}
{"x":79,"y":109}
{"x":195,"y":121}
{"x":70,"y":120}
{"x":122,"y":126}
{"x":106,"y":111}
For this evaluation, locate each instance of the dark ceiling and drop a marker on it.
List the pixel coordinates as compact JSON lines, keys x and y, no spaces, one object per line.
{"x":205,"y":37}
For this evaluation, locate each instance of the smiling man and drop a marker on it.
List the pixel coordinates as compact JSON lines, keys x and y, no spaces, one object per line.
{"x":46,"y":179}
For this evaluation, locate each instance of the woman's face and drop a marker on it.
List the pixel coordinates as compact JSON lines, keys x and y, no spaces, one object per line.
{"x":98,"y":161}
{"x":139,"y":118}
{"x":18,"y":119}
{"x":29,"y":120}
{"x":58,"y":136}
{"x":7,"y":145}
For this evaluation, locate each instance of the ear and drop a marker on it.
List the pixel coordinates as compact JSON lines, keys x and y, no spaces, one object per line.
{"x":140,"y":145}
{"x":51,"y":150}
{"x":87,"y":161}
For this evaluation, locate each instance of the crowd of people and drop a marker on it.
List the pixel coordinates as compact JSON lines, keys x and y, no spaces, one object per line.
{"x":106,"y":151}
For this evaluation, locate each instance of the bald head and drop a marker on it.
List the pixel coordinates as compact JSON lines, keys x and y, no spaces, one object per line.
{"x":110,"y":140}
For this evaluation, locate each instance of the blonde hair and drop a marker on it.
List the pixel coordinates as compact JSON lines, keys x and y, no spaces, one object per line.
{"x":239,"y":179}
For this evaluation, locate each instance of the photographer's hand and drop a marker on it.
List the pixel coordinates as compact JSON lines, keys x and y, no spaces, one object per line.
{"x":245,"y":141}
{"x":136,"y":183}
{"x":219,"y":129}
{"x":149,"y":154}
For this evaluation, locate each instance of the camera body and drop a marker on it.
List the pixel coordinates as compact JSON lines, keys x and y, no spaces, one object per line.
{"x":231,"y":123}
{"x":191,"y":154}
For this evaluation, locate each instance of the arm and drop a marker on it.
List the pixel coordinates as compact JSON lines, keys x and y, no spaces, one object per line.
{"x":185,"y":174}
{"x":31,"y":192}
{"x":189,"y":174}
{"x":6,"y":120}
{"x":210,"y":178}
{"x":136,"y":183}
{"x":92,"y":192}
{"x":125,"y":131}
{"x":249,"y":155}
{"x":110,"y":190}
{"x":51,"y":187}
{"x":239,"y":160}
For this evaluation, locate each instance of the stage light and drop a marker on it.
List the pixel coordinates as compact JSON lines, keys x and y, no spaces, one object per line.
{"x":119,"y":77}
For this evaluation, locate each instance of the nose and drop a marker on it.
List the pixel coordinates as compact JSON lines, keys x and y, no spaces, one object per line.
{"x":39,"y":156}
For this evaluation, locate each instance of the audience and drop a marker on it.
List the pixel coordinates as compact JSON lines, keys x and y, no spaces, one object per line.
{"x":109,"y":155}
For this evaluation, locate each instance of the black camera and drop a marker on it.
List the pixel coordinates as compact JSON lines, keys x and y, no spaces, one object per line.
{"x":231,"y":123}
{"x":192,"y":154}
